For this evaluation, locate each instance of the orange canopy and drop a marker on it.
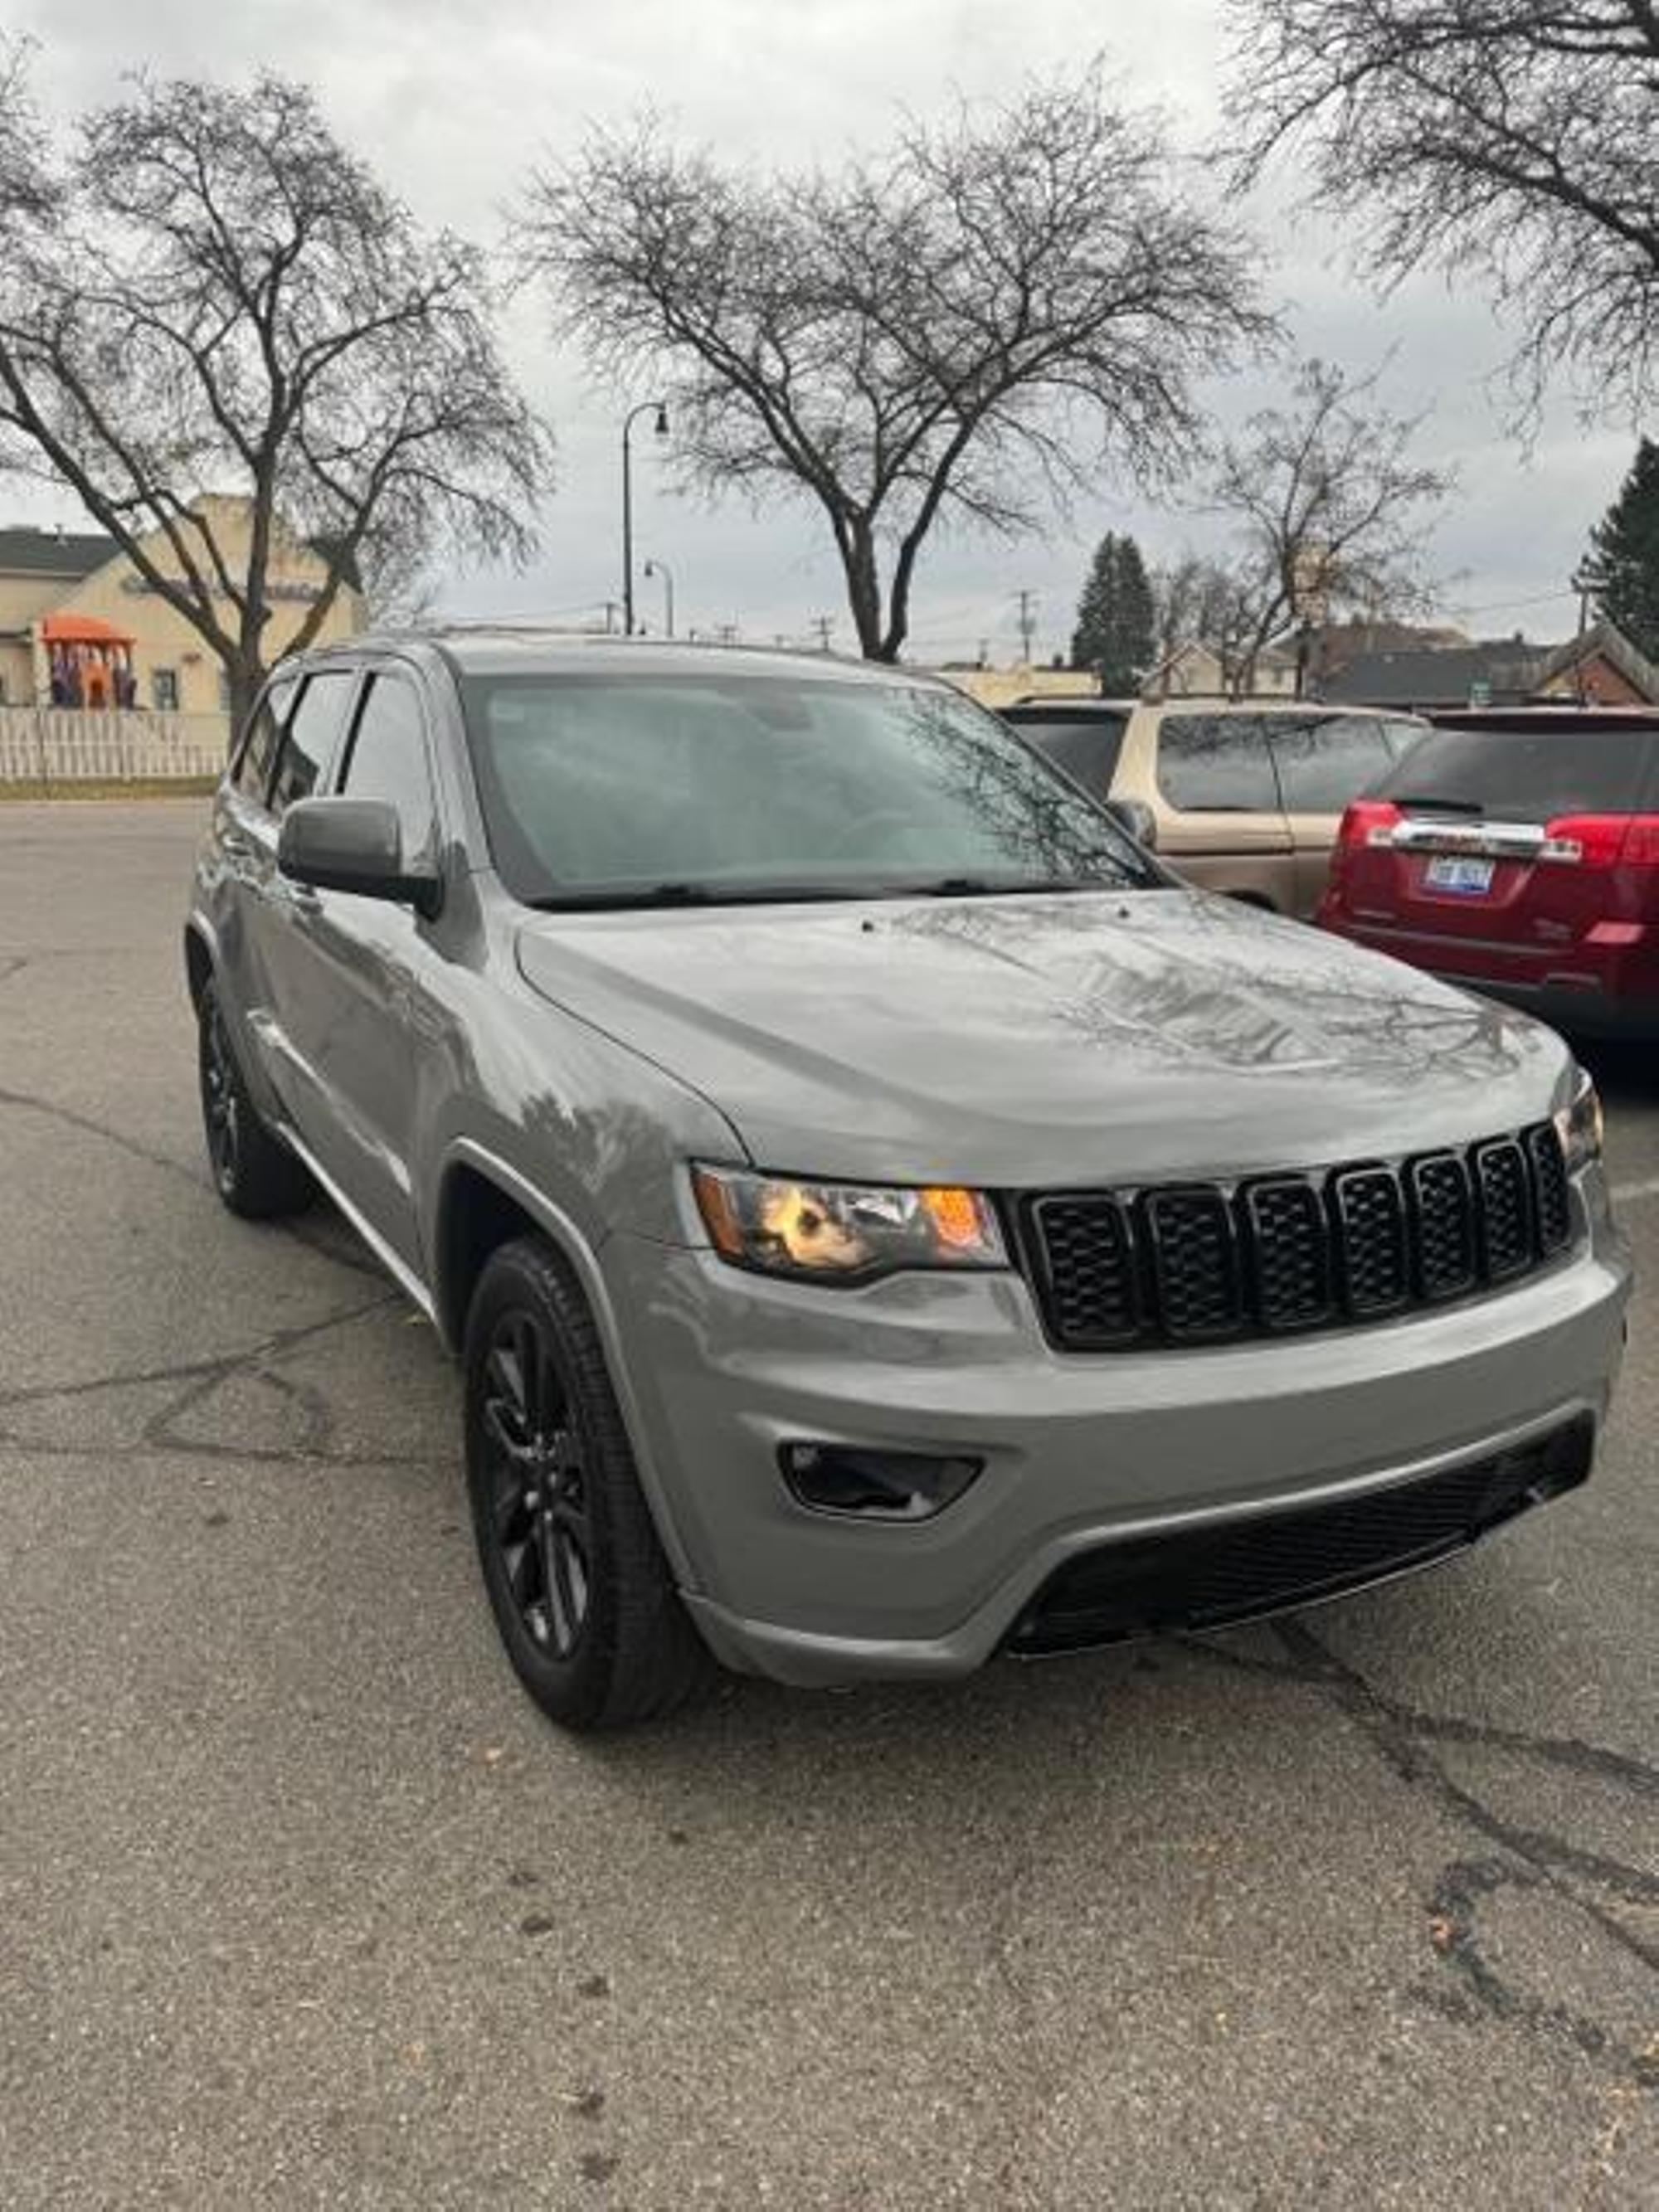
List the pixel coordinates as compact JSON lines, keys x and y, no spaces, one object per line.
{"x":83,"y":630}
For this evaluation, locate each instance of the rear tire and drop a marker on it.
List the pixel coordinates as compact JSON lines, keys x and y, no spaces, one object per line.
{"x":581,"y":1591}
{"x":253,"y":1171}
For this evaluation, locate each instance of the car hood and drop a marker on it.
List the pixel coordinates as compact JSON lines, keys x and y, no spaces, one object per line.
{"x":1045,"y":1040}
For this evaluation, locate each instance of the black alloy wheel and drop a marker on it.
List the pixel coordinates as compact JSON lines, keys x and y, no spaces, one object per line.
{"x":253,"y":1170}
{"x":537,"y":1487}
{"x":576,"y":1576}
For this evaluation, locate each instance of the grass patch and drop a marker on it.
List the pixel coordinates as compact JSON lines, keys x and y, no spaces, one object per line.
{"x":113,"y":787}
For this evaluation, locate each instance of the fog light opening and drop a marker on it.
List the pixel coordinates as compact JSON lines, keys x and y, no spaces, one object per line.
{"x":857,"y":1480}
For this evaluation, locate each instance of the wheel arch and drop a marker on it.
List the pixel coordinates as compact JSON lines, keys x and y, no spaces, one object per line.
{"x":482,"y":1203}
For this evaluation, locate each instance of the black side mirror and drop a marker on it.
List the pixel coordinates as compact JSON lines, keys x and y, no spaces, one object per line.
{"x":1136,"y":819}
{"x":353,"y":845}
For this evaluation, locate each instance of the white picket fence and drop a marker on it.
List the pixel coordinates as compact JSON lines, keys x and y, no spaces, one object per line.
{"x":67,"y":744}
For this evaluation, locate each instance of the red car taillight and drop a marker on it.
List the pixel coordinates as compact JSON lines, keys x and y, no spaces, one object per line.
{"x":1602,"y":841}
{"x":1367,"y":822}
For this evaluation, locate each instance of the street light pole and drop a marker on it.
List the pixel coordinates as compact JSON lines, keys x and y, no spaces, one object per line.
{"x":660,"y":568}
{"x":660,"y":426}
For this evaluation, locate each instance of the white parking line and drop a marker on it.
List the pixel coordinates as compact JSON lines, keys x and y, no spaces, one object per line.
{"x":1626,"y":1193}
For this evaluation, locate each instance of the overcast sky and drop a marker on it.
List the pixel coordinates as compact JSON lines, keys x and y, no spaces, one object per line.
{"x":455,"y":102}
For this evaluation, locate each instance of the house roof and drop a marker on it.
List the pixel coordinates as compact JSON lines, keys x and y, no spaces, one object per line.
{"x":1605,"y":641}
{"x":31,"y":552}
{"x":1443,"y":676}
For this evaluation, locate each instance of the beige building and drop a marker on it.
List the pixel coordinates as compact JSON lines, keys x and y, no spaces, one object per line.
{"x":1001,"y":687}
{"x":73,"y":605}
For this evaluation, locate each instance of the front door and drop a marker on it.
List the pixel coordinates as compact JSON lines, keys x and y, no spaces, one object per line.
{"x":353,"y":979}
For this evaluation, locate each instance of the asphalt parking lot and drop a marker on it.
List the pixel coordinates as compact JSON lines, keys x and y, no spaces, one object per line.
{"x":301,"y":1902}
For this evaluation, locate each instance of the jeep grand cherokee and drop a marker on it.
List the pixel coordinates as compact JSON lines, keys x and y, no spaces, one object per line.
{"x":883,"y":1218}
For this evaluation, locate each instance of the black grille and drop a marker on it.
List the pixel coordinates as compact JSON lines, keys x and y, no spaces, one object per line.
{"x":1549,"y":1185}
{"x":1199,"y":1263}
{"x":1189,"y":1237}
{"x":1440,"y":1207}
{"x":1203,"y":1577}
{"x":1508,"y":1237}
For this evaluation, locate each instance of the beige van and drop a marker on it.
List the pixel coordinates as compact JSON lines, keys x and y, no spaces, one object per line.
{"x":1245,"y":797}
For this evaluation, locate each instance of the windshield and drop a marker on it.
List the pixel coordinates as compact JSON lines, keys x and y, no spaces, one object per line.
{"x":1526,"y":776}
{"x":612,"y":787}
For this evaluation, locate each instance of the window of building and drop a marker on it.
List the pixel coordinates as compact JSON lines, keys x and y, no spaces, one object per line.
{"x":164,"y":690}
{"x":1217,"y":764}
{"x":388,"y":760}
{"x":308,"y":739}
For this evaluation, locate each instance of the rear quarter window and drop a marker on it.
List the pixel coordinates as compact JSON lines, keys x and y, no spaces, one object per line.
{"x":1087,"y":751}
{"x":1218,"y":764}
{"x":1527,"y":775}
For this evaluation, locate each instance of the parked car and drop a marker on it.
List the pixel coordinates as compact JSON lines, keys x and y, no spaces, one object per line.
{"x":1242,"y":797}
{"x":883,"y":1220}
{"x":1518,"y":851}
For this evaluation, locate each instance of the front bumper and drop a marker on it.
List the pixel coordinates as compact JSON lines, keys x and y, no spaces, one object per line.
{"x":1079,"y":1451}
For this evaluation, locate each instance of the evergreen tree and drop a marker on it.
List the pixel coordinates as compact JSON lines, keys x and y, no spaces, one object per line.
{"x":1116,"y":621}
{"x":1626,"y":552}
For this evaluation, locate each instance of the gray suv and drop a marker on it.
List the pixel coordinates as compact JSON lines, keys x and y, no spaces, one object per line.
{"x":883,"y":1219}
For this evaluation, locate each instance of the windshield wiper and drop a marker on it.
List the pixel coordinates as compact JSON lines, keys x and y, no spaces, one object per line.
{"x":689,"y":893}
{"x":991,"y":887}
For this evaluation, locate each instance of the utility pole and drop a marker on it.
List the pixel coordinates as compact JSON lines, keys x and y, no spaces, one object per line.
{"x":822,"y":623}
{"x":1027,"y":624}
{"x":728,"y":633}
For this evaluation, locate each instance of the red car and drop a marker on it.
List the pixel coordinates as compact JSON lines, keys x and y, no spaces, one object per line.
{"x":1518,"y":851}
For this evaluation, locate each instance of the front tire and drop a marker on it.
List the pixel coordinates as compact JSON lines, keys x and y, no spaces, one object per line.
{"x":253,"y":1171}
{"x":581,"y":1591}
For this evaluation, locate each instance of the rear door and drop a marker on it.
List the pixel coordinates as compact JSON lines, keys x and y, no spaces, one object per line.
{"x":1220,"y":818}
{"x":243,"y":847}
{"x":280,"y":910}
{"x":1500,"y":865}
{"x":1324,"y":762}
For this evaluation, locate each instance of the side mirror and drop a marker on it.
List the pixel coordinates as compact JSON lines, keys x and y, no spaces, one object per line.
{"x":352,"y":845}
{"x":1136,"y":819}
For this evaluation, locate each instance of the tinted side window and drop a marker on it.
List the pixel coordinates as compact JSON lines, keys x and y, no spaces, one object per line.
{"x":1087,"y":751}
{"x":259,"y":745}
{"x":1323,"y":765}
{"x":1218,"y":762}
{"x":388,"y":759}
{"x":309,"y":738}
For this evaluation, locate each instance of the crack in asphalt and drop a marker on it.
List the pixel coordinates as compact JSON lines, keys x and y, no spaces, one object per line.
{"x":199,"y":1380}
{"x":1529,"y":1860}
{"x":53,"y":1111}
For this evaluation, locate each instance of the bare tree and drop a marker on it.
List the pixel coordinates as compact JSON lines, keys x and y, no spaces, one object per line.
{"x":1518,"y":142}
{"x":211,"y":293}
{"x":1330,"y":513}
{"x":961,"y":329}
{"x":1197,"y":601}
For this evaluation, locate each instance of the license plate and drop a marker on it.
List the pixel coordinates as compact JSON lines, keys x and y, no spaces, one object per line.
{"x":1470,"y":879}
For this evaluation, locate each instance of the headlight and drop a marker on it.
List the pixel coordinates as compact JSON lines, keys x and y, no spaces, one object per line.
{"x":1579,"y":1127}
{"x":843,"y":1232}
